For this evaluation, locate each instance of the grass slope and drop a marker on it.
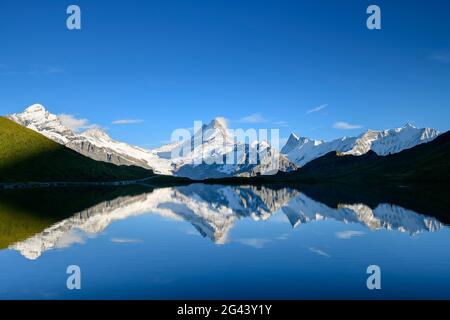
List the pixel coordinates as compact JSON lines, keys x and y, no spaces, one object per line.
{"x":27,"y":156}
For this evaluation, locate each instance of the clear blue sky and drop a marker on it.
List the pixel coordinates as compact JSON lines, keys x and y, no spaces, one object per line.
{"x":169,"y":63}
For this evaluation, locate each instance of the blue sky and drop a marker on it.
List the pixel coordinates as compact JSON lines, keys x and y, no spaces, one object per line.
{"x":302,"y":66}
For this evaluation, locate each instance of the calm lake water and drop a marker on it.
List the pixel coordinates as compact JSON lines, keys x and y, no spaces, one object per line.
{"x":224,"y":242}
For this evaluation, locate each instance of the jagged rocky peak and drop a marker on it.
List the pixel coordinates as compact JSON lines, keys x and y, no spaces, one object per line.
{"x":291,"y":143}
{"x":36,"y":113}
{"x":293,"y":139}
{"x":37,"y":118}
{"x":217,"y":128}
{"x":218,"y":123}
{"x":381,"y":142}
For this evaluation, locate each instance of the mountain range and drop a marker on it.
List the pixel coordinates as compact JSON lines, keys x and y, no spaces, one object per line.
{"x":301,"y":150}
{"x":215,"y":142}
{"x":425,"y":162}
{"x":300,"y":155}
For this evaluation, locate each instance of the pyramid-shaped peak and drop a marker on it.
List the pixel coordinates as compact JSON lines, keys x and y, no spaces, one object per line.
{"x":293,"y":136}
{"x":218,"y":123}
{"x":409,"y":125}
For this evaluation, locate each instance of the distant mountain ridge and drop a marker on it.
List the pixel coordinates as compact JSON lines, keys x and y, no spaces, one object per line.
{"x":301,"y":150}
{"x":424,"y":162}
{"x":214,"y":138}
{"x":93,"y":143}
{"x":214,"y":142}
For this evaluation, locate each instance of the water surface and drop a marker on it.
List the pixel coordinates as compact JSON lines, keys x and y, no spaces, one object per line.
{"x":224,"y":242}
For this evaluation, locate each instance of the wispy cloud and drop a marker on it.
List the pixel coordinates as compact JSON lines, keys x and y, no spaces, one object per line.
{"x":6,"y":70}
{"x":345,"y":235}
{"x":127,"y":121}
{"x":441,"y":56}
{"x":122,"y":240}
{"x":346,"y":126}
{"x":253,"y":118}
{"x":284,"y":236}
{"x":257,"y":243}
{"x":75,"y":124}
{"x":53,"y":70}
{"x":319,"y":252}
{"x":281,"y":123}
{"x":317,"y":109}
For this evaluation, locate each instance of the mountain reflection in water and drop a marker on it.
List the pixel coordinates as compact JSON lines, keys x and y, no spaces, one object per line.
{"x":35,"y":221}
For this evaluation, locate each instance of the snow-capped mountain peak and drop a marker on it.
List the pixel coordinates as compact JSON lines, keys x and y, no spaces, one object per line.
{"x":291,"y":143}
{"x":35,"y":108}
{"x":409,"y":125}
{"x":217,"y":129}
{"x":218,"y":123}
{"x":303,"y":150}
{"x":37,"y":118}
{"x":96,"y":133}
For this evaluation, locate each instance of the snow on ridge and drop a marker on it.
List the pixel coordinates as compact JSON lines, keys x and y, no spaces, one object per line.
{"x":303,"y":150}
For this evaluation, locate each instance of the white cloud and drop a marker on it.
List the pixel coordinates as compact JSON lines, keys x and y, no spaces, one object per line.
{"x":346,"y":126}
{"x":122,"y":240}
{"x":441,"y":56}
{"x":53,"y":70}
{"x":348,"y":234}
{"x":74,"y":123}
{"x":35,"y":71}
{"x":317,"y":109}
{"x":281,"y":123}
{"x":257,"y":243}
{"x":319,"y":252}
{"x":127,"y":121}
{"x":253,"y":118}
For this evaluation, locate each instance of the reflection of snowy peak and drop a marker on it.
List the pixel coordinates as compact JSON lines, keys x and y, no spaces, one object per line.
{"x":303,"y":150}
{"x":213,"y":211}
{"x":93,"y":143}
{"x":302,"y":209}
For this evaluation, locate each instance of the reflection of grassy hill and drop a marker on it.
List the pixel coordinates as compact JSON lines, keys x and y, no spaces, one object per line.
{"x":26,"y":156}
{"x":26,"y":212}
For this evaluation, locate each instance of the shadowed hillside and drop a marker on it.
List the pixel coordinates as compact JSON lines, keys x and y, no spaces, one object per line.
{"x":29,"y":156}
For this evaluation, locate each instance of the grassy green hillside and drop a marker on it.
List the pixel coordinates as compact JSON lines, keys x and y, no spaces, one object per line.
{"x":27,"y":156}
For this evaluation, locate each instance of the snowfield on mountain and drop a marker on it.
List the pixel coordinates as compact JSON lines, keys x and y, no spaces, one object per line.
{"x":301,"y":150}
